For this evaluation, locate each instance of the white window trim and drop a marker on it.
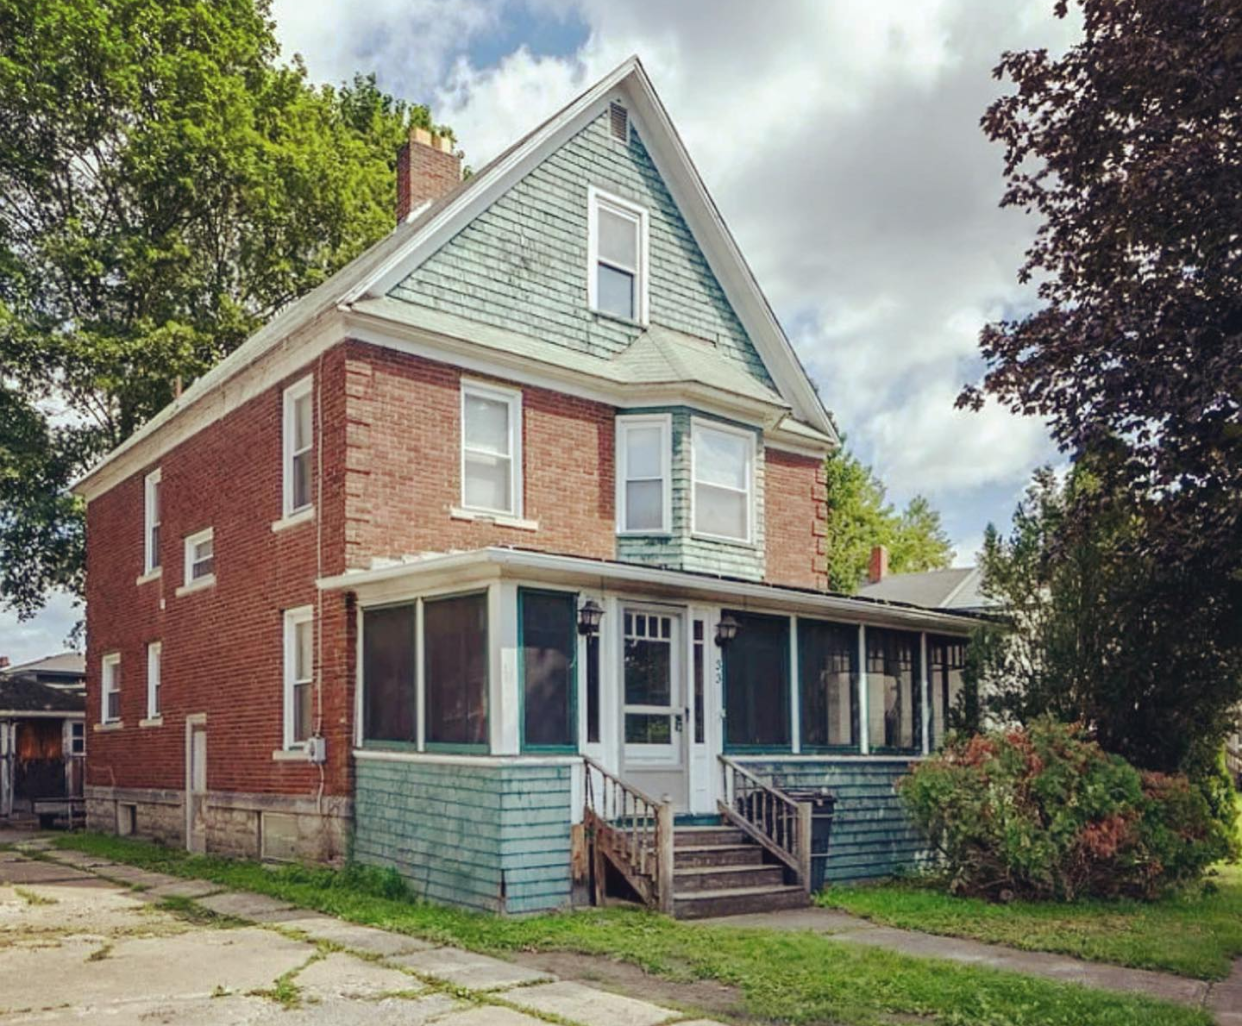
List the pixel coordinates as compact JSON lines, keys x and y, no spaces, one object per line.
{"x":293,"y":617}
{"x":595,"y":199}
{"x":664,"y":422}
{"x":513,"y":398}
{"x":698,"y":424}
{"x":155,"y":652}
{"x":292,"y":394}
{"x":112,"y":659}
{"x":150,"y":570}
{"x":191,"y":540}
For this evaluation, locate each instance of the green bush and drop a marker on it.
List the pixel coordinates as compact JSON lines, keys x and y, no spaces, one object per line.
{"x":1043,"y":813}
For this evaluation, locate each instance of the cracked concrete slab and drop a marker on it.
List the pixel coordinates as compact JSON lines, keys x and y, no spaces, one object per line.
{"x":490,"y":1015}
{"x":358,"y":938}
{"x":580,"y":1003}
{"x":179,"y":888}
{"x":258,"y":908}
{"x":30,"y":871}
{"x":466,"y":969}
{"x":343,"y":975}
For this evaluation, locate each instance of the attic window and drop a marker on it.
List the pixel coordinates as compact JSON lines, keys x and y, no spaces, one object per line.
{"x":619,"y":122}
{"x":616,"y":275}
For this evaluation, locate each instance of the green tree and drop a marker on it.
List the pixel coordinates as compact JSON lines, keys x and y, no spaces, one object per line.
{"x":166,"y":186}
{"x":1103,"y":633}
{"x":860,"y":517}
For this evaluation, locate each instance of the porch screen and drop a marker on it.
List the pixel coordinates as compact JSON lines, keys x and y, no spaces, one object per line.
{"x":828,"y":680}
{"x":549,"y":623}
{"x":946,"y":660}
{"x":455,"y":670}
{"x":756,"y":672}
{"x":894,"y":717}
{"x":390,"y":708}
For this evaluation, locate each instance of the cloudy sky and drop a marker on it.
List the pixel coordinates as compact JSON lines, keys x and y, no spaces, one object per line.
{"x":840,"y":139}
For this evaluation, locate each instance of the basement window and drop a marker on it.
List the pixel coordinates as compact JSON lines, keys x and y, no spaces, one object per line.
{"x":617,"y":275}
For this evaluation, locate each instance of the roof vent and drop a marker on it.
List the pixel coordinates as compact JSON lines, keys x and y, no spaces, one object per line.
{"x":619,"y":122}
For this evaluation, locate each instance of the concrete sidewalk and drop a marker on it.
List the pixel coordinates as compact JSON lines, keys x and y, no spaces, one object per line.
{"x":84,"y":937}
{"x":1223,"y":999}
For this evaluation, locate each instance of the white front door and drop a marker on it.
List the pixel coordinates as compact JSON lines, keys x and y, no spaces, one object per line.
{"x":653,"y":695}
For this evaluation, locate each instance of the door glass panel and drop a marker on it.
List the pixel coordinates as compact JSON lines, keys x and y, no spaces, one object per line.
{"x":647,"y":729}
{"x":651,"y":693}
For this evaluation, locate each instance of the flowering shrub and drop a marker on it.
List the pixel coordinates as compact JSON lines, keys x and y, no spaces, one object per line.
{"x":1043,"y":813}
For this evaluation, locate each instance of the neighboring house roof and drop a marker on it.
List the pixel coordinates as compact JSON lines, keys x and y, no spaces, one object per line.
{"x":958,"y":588}
{"x":363,"y":284}
{"x":23,"y":694}
{"x":69,"y":664}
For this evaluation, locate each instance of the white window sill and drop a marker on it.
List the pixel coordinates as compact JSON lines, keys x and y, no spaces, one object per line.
{"x":619,"y":318}
{"x":152,"y":721}
{"x":645,"y":534}
{"x":289,"y":755}
{"x":99,"y":728}
{"x":302,"y":516}
{"x":200,"y":584}
{"x":720,"y":539}
{"x":499,"y":519}
{"x":153,"y":574}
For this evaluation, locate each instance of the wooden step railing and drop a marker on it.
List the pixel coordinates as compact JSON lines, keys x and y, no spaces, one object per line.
{"x":633,"y":832}
{"x":769,"y":816}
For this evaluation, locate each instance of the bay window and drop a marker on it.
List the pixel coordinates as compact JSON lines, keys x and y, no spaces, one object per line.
{"x":723,"y":461}
{"x":491,"y":457}
{"x":644,"y":457}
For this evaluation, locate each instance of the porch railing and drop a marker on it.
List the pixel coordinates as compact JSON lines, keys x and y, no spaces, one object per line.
{"x":768,"y":815}
{"x":631,"y":831}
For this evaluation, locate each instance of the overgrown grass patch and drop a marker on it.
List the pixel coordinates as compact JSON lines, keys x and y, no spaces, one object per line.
{"x":796,"y":978}
{"x":1196,"y":934}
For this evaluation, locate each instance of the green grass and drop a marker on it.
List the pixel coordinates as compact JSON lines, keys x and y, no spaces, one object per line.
{"x":1195,"y":935}
{"x":794,"y":978}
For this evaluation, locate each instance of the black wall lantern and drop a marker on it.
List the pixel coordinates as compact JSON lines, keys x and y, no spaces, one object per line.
{"x":726,"y":630}
{"x":589,"y":615}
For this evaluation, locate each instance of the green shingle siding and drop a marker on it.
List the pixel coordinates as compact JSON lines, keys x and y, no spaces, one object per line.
{"x":494,"y":838}
{"x":522,"y":263}
{"x":680,"y":551}
{"x":871,"y":834}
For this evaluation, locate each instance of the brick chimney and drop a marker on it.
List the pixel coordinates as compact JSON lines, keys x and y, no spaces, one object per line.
{"x":878,"y":569}
{"x":427,"y":168}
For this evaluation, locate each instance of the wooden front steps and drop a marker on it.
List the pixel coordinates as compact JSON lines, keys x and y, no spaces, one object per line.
{"x":719,"y":871}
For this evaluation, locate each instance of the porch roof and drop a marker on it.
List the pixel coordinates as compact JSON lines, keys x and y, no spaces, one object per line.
{"x":432,"y":571}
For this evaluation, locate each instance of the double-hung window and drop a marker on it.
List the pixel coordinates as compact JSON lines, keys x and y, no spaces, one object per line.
{"x":151,"y":523}
{"x":298,"y":443}
{"x":491,"y":449}
{"x":723,"y":460}
{"x":154,"y":653}
{"x":110,"y":688}
{"x":617,"y":282}
{"x":644,"y":455}
{"x":299,"y":675}
{"x":200,"y":557}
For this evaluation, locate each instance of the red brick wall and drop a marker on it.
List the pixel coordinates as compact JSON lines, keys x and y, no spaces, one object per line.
{"x":424,"y":173}
{"x":222,"y":646}
{"x":404,"y":464}
{"x":796,"y":511}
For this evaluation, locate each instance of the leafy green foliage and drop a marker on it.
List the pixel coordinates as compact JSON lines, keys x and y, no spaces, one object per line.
{"x":166,"y":185}
{"x":1042,"y":813}
{"x":859,"y":518}
{"x":797,"y":978}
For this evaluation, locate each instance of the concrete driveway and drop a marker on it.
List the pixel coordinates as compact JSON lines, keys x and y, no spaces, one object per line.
{"x":76,"y":947}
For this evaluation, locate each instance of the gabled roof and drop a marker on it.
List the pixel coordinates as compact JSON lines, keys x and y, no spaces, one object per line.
{"x":370,"y":276}
{"x":956,"y":588}
{"x":24,"y":694}
{"x":68,"y":664}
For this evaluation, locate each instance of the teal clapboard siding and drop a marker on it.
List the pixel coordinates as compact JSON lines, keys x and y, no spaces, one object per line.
{"x":871,"y":835}
{"x":680,"y":551}
{"x":522,"y":263}
{"x":494,"y":838}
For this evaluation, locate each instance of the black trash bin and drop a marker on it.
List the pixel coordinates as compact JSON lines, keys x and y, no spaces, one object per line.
{"x":822,"y":802}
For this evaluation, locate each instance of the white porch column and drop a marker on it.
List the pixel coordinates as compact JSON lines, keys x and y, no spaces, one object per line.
{"x":504,"y":701}
{"x":925,"y":704}
{"x":864,"y":719}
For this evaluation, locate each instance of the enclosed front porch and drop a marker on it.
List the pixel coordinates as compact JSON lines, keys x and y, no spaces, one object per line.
{"x":533,"y":730}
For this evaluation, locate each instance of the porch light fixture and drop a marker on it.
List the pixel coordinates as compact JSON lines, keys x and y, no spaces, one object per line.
{"x":726,"y":630}
{"x":589,"y":616}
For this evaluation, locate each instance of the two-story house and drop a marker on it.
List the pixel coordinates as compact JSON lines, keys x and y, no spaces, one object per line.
{"x":499,"y":559}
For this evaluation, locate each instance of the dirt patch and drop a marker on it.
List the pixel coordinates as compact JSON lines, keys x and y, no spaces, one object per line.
{"x":694,"y":997}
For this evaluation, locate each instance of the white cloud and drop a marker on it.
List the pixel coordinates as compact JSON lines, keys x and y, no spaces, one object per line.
{"x":45,"y":635}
